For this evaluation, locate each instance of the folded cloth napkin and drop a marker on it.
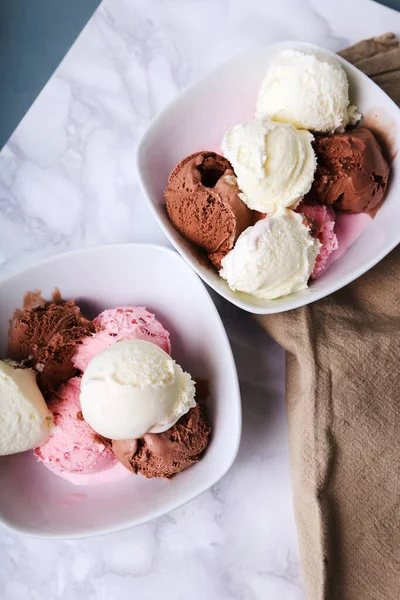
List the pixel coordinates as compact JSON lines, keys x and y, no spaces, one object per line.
{"x":343,"y":399}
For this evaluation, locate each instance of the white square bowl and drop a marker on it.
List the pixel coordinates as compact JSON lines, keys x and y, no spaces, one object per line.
{"x":36,"y":502}
{"x":197,"y":120}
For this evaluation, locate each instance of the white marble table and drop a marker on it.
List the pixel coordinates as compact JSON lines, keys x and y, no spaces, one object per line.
{"x":67,"y":179}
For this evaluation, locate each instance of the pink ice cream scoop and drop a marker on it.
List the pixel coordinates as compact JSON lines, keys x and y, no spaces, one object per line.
{"x":118,"y":324}
{"x":324,"y":219}
{"x":74,"y":451}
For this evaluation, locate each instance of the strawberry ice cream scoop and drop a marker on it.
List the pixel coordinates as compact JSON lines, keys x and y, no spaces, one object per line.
{"x":117,"y":325}
{"x":322,"y":224}
{"x":74,"y":451}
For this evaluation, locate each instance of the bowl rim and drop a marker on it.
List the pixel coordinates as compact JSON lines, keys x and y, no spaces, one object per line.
{"x":155,"y":513}
{"x":226,"y":293}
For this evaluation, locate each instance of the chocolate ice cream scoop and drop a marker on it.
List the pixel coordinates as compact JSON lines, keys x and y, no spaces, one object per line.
{"x":44,"y":337}
{"x":168,"y":453}
{"x":352,"y":173}
{"x":203,"y":203}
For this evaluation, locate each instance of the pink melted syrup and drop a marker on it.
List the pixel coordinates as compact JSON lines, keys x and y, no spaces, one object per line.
{"x":348,"y":228}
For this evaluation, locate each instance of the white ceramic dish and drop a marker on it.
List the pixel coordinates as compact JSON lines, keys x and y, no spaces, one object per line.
{"x":197,"y":119}
{"x":36,"y":502}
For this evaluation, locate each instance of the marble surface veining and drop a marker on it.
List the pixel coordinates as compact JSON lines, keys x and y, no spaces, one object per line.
{"x":68,"y":180}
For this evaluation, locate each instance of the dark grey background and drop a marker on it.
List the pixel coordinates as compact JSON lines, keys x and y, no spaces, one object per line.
{"x":34,"y":37}
{"x":391,"y":3}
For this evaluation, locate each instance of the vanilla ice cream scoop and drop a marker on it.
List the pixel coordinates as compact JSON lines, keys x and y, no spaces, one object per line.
{"x":273,"y":258}
{"x":133,"y":388}
{"x":307,"y":91}
{"x":25,"y":420}
{"x":274,"y":163}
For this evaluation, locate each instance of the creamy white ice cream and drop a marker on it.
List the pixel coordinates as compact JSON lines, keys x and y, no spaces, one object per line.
{"x":25,"y":420}
{"x":274,"y":163}
{"x":133,"y":388}
{"x":273,"y":258}
{"x":308,"y":92}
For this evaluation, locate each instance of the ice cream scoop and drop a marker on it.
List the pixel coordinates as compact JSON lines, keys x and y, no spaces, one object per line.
{"x":323,"y":220}
{"x":273,"y":258}
{"x":25,"y":420}
{"x":203,"y":203}
{"x":45,"y":337}
{"x":74,"y":451}
{"x":118,"y":324}
{"x":133,"y":388}
{"x":168,"y":453}
{"x":274,"y":163}
{"x":352,"y":173}
{"x":308,"y":91}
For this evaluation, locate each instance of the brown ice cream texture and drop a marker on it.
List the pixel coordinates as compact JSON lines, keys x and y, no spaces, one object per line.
{"x":45,"y":336}
{"x":203,"y":203}
{"x":352,"y":173}
{"x":165,"y":454}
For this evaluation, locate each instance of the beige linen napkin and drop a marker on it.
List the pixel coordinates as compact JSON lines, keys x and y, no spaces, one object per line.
{"x":343,"y":398}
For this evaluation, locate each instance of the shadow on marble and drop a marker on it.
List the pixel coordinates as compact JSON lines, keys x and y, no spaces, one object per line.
{"x":261,"y":366}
